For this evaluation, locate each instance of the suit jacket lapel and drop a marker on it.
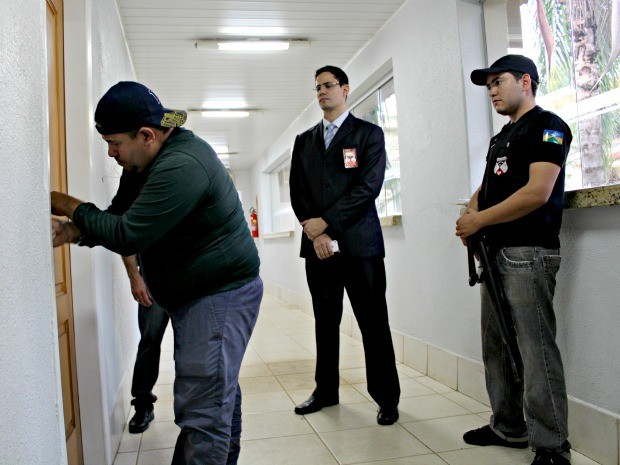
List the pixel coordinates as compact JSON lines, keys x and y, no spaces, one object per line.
{"x":317,"y":135}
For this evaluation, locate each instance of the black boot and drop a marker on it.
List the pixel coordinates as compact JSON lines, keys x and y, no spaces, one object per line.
{"x":143,"y":416}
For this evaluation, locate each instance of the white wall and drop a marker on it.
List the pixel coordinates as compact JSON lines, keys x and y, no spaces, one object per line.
{"x":32,"y":429}
{"x":587,"y":300}
{"x":442,"y":116}
{"x":105,"y":315}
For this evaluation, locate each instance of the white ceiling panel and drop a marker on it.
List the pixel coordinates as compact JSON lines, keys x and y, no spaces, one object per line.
{"x":276,"y":86}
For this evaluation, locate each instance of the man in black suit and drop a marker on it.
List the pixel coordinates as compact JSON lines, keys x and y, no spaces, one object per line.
{"x":337,"y":171}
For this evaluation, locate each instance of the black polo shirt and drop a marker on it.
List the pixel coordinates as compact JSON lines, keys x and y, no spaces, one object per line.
{"x":538,"y":136}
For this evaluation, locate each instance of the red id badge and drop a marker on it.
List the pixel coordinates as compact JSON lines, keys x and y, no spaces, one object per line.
{"x":350,"y":158}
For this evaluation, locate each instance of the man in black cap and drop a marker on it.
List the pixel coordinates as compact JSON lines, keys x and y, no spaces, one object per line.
{"x":518,"y":208}
{"x":184,"y":218}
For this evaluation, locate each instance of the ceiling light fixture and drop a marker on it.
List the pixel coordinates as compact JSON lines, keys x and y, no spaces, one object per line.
{"x":225,"y":113}
{"x":252,"y":44}
{"x":224,"y":104}
{"x":220,"y":149}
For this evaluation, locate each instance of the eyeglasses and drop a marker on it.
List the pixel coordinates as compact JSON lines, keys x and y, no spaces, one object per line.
{"x":327,"y":85}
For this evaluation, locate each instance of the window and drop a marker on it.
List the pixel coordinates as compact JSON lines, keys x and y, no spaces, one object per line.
{"x":379,"y":107}
{"x":282,"y":217}
{"x":575,"y":49}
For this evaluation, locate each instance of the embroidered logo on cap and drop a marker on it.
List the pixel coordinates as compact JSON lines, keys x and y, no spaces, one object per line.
{"x":555,"y":137}
{"x":173,"y":119}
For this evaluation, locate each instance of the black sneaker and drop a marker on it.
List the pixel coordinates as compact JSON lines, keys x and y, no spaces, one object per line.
{"x":559,"y":456}
{"x":549,"y":457}
{"x":485,"y":436}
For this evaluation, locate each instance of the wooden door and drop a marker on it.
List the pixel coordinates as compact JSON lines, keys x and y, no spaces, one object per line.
{"x":62,"y":266}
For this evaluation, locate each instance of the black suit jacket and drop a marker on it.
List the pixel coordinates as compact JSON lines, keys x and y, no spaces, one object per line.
{"x":321,"y":186}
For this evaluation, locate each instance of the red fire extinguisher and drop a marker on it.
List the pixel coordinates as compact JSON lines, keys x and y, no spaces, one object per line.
{"x":254,"y":221}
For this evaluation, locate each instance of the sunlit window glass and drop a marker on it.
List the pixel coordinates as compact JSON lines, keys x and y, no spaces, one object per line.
{"x":380,"y":108}
{"x":576,"y":51}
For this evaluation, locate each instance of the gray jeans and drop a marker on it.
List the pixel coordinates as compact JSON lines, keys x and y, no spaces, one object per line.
{"x":210,"y":338}
{"x":528,"y":274}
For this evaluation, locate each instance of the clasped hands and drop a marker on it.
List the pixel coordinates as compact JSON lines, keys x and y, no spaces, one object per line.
{"x":314,"y":229}
{"x":468,"y":224}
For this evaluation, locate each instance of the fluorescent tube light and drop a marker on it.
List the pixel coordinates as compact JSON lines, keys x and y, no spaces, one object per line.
{"x":219,"y":148}
{"x":253,"y":45}
{"x":225,"y":114}
{"x":224,"y":104}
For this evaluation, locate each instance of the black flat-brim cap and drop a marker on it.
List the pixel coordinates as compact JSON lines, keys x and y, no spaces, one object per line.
{"x":519,"y":63}
{"x":129,"y":105}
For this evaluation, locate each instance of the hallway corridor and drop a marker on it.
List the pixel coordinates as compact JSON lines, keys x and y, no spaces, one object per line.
{"x":278,"y":372}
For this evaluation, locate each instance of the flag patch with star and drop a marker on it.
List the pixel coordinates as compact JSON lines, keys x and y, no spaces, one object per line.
{"x":555,"y":137}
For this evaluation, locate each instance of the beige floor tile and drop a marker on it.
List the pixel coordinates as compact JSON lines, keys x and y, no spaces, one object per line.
{"x":254,"y":370}
{"x":352,"y":361}
{"x":578,"y":459}
{"x":444,"y":434}
{"x":159,"y":436}
{"x":126,"y":458}
{"x":409,"y":387}
{"x":164,"y":391}
{"x":164,"y":410}
{"x":491,"y":455}
{"x":467,"y":402}
{"x":354,"y":375}
{"x":260,"y":384}
{"x":165,"y":377}
{"x":251,"y":357}
{"x":297,"y":381}
{"x":289,"y":368}
{"x":362,"y":388}
{"x":429,"y":459}
{"x":274,"y":425}
{"x":374,"y":443}
{"x":156,"y":457}
{"x":435,"y":385}
{"x":348,"y":349}
{"x":343,"y":417}
{"x":350,"y":395}
{"x":294,"y":450}
{"x":406,"y":370}
{"x":263,"y":402}
{"x":299,"y":395}
{"x":129,"y":442}
{"x":271,"y":344}
{"x":428,"y":407}
{"x":285,"y":356}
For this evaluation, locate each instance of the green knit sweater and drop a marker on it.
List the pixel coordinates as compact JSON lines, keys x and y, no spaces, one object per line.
{"x":183,"y":216}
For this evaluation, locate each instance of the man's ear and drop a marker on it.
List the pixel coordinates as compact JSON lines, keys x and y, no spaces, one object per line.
{"x":526,"y":81}
{"x":147,"y":134}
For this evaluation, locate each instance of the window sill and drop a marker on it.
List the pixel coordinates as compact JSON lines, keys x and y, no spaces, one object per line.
{"x":393,"y":220}
{"x":279,"y":235}
{"x":594,"y":197}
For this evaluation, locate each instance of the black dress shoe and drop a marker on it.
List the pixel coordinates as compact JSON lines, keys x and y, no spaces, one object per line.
{"x":140,"y":421}
{"x":312,"y":405}
{"x":387,"y":415}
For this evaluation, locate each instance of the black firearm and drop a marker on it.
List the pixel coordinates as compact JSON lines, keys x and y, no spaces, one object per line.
{"x":477,"y":244}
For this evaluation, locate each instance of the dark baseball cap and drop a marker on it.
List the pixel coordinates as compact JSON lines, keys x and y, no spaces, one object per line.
{"x":517,"y":63}
{"x":130,"y":105}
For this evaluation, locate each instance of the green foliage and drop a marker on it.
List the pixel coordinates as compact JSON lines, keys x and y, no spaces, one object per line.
{"x":560,"y":15}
